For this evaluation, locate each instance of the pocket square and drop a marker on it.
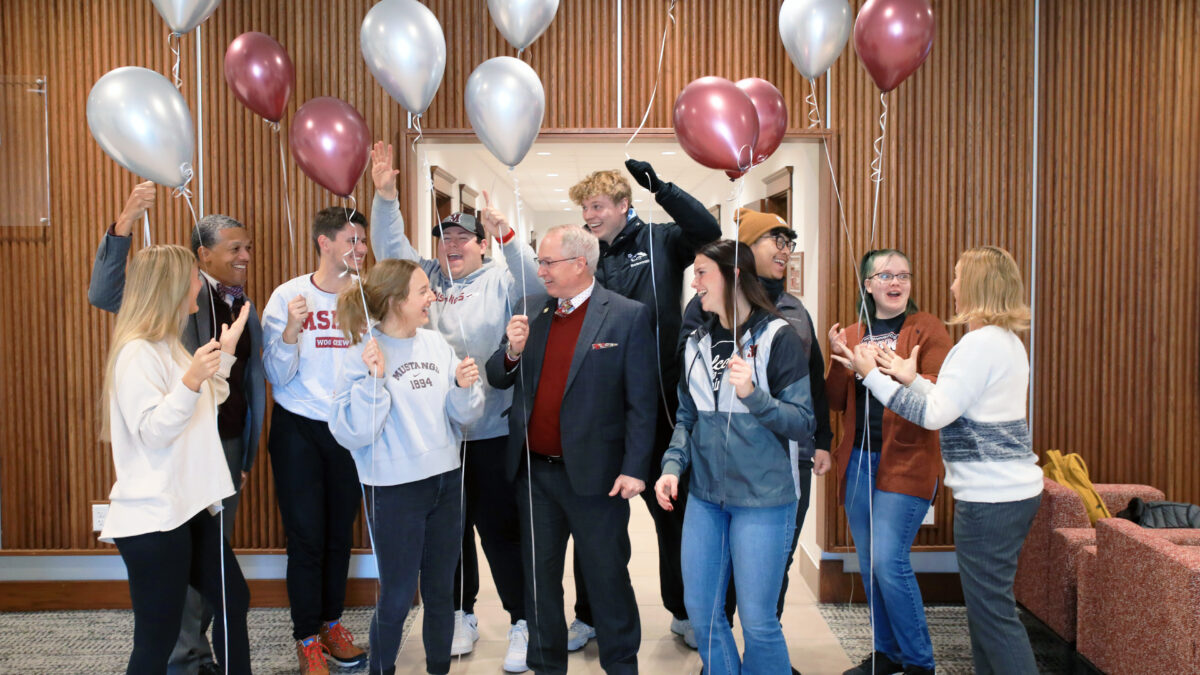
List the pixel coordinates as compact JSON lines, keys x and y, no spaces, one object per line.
{"x":603,"y":345}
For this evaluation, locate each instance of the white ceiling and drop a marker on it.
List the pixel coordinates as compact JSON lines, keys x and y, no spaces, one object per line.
{"x":551,"y":168}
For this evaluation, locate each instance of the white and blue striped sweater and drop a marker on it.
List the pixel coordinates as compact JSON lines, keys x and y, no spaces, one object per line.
{"x":979,"y":403}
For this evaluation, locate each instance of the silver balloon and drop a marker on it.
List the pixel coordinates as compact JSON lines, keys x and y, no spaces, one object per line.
{"x":142,"y":121}
{"x":814,"y":33}
{"x":506,"y":103}
{"x":403,"y":45}
{"x":522,"y":21}
{"x":184,"y":15}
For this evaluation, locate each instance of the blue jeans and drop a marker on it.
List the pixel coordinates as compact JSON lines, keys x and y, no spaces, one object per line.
{"x":897,"y":612}
{"x":755,"y":540}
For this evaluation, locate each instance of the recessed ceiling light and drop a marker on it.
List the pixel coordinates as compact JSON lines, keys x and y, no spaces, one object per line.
{"x":669,"y":152}
{"x":563,"y":201}
{"x":637,"y":201}
{"x":560,"y":189}
{"x":552,"y":175}
{"x":544,"y":154}
{"x":567,"y":208}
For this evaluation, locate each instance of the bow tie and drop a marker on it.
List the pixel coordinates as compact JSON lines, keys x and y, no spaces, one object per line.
{"x":234,"y":292}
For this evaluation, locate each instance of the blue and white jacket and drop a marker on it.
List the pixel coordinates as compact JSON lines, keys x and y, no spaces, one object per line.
{"x":738,"y":449}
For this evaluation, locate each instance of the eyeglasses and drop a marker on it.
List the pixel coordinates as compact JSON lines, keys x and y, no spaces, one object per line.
{"x":544,"y":264}
{"x":782,"y":242}
{"x":903,"y":277}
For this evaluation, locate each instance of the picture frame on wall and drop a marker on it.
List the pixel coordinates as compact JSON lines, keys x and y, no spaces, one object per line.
{"x":795,"y":274}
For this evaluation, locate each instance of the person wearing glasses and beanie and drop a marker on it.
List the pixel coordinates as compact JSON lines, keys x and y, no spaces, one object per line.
{"x":888,"y":467}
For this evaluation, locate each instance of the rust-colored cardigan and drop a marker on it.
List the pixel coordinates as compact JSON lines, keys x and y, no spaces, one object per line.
{"x":910,"y":462}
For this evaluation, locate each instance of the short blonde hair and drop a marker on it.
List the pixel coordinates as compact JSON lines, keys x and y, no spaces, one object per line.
{"x":609,"y":184}
{"x":990,"y":290}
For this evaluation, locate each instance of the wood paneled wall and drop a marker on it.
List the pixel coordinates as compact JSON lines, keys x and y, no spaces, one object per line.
{"x":1116,"y":359}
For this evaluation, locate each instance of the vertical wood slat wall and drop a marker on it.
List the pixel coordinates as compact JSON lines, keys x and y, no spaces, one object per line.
{"x":1117,"y":361}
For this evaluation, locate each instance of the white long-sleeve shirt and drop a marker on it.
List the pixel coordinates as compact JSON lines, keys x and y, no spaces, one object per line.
{"x":406,"y":426}
{"x":169,"y":460}
{"x":302,"y":375}
{"x":979,"y":404}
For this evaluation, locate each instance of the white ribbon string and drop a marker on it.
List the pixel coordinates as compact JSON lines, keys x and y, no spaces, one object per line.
{"x":814,"y":111}
{"x":287,"y":201}
{"x":662,"y":48}
{"x":173,"y":45}
{"x":877,"y":163}
{"x":146,"y":230}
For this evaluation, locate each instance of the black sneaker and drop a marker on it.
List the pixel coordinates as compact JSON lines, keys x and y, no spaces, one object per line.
{"x":917,"y":670}
{"x":876,"y":664}
{"x":210,"y":668}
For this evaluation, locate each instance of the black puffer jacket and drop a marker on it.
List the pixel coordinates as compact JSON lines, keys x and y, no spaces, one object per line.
{"x":625,"y":266}
{"x":1162,"y":514}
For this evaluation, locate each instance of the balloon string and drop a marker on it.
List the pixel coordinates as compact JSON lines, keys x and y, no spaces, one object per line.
{"x":173,"y":45}
{"x":420,"y":134}
{"x":657,"y":73}
{"x":146,"y":230}
{"x":877,"y":162}
{"x":734,"y":197}
{"x":814,"y":111}
{"x":521,"y":233}
{"x":287,"y":201}
{"x":837,"y":191}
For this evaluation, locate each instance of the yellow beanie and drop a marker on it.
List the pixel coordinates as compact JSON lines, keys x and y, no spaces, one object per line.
{"x":754,"y":224}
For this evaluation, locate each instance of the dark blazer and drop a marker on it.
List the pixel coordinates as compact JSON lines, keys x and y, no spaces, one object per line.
{"x":108,"y":287}
{"x":608,"y":408}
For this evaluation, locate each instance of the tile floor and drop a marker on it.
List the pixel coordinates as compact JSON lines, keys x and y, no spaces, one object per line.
{"x":814,"y":649}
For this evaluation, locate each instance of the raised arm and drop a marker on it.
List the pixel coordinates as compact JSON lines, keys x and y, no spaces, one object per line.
{"x":695,"y":226}
{"x":388,"y":239}
{"x":107,"y":286}
{"x":518,"y":255}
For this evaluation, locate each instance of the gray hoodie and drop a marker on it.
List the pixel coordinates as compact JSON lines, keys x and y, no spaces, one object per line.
{"x":479,"y":304}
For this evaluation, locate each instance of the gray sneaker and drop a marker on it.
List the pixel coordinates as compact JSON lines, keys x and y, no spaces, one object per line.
{"x":683,"y":628}
{"x":578,"y":635}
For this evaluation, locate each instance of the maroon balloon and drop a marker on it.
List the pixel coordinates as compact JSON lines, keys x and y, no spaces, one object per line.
{"x":331,"y":143}
{"x":772,"y":115}
{"x":716,"y":124}
{"x":260,"y":73}
{"x":893,"y":37}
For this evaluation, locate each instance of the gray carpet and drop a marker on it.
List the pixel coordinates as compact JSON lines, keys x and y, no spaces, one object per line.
{"x":948,"y":630}
{"x":42,"y":643}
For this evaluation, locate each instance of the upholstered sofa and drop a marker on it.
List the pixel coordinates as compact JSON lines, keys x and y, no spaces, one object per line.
{"x":1046,"y":572}
{"x":1139,"y":600}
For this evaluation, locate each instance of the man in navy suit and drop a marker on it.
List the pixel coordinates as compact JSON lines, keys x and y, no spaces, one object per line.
{"x":222,"y":246}
{"x":581,"y":428}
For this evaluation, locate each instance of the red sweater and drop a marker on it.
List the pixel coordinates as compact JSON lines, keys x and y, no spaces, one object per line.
{"x":544,"y":430}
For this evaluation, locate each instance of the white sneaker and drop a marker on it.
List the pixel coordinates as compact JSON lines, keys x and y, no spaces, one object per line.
{"x":518,"y":647}
{"x":578,"y":635}
{"x":466,"y":632}
{"x":683,"y":628}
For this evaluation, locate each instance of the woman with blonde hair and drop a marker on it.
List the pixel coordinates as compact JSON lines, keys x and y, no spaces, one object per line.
{"x":401,"y":400}
{"x":978,"y":403}
{"x":160,"y":414}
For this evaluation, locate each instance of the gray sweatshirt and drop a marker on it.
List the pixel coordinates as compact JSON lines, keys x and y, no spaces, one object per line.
{"x":479,"y":305}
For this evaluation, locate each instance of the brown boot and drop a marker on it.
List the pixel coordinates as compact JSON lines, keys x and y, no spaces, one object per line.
{"x":339,"y":643}
{"x":311,"y":653}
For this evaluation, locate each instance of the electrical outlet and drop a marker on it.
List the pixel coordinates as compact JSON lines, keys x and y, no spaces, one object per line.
{"x":929,"y":518}
{"x":99,"y":513}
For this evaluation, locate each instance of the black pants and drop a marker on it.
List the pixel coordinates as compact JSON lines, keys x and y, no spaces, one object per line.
{"x":801,"y":511}
{"x":600,"y":526}
{"x":668,"y":526}
{"x":492,"y":510}
{"x":417,"y":529}
{"x":161,"y":565}
{"x":319,"y":495}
